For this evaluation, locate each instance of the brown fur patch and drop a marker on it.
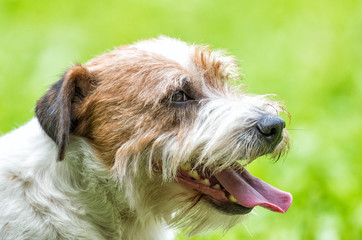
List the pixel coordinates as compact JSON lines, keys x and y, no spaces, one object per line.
{"x":129,"y":108}
{"x":214,"y":71}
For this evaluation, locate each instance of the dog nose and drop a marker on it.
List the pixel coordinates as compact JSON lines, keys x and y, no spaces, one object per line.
{"x":271,"y":127}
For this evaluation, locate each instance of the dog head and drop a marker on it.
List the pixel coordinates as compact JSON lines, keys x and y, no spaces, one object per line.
{"x":162,"y":116}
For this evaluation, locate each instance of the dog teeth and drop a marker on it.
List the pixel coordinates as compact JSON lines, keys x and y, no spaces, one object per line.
{"x":216,"y":186}
{"x":233,"y":199}
{"x":186,"y":166}
{"x":194,"y":174}
{"x":205,"y":182}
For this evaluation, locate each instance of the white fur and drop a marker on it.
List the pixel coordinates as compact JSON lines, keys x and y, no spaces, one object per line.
{"x":169,"y":48}
{"x":41,"y":198}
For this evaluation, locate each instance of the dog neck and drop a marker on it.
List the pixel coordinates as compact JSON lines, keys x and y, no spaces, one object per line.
{"x":78,"y":187}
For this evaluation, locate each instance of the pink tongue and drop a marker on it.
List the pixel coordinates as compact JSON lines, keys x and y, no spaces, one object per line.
{"x":251,"y":191}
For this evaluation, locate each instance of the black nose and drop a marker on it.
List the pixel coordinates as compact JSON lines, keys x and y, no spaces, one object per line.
{"x":271,"y":128}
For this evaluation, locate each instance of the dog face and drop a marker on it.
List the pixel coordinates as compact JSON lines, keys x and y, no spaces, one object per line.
{"x":162,"y":117}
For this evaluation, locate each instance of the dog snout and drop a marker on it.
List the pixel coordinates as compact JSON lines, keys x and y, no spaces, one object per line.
{"x":271,"y":128}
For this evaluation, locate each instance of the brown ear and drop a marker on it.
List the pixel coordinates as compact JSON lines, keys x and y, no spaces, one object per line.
{"x":56,"y":110}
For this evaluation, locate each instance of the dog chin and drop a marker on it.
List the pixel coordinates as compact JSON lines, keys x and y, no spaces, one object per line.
{"x":227,"y":207}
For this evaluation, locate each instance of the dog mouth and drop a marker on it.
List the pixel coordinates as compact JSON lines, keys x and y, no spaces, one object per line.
{"x":234,"y":191}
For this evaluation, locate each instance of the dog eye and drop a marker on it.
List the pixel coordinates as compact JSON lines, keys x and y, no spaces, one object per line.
{"x":179,"y":96}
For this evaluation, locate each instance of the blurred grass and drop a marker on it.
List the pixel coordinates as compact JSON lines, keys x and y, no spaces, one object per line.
{"x":307,"y":52}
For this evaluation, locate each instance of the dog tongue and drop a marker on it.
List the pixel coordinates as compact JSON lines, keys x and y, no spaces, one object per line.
{"x":251,"y":191}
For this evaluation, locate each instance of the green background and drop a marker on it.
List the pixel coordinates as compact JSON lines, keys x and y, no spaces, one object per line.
{"x":309,"y":53}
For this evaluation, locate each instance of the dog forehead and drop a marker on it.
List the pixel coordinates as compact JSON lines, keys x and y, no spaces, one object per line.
{"x":162,"y":63}
{"x":172,"y":49}
{"x":211,"y":67}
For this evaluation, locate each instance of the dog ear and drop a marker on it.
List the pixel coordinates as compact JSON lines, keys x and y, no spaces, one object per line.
{"x":57,"y":109}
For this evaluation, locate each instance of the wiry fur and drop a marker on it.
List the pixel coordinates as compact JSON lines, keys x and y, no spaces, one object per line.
{"x":117,"y":176}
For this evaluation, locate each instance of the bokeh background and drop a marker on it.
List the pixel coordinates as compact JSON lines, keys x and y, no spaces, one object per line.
{"x":309,"y":53}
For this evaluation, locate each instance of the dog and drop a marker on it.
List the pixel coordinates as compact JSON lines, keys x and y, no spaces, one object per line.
{"x":138,"y":142}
